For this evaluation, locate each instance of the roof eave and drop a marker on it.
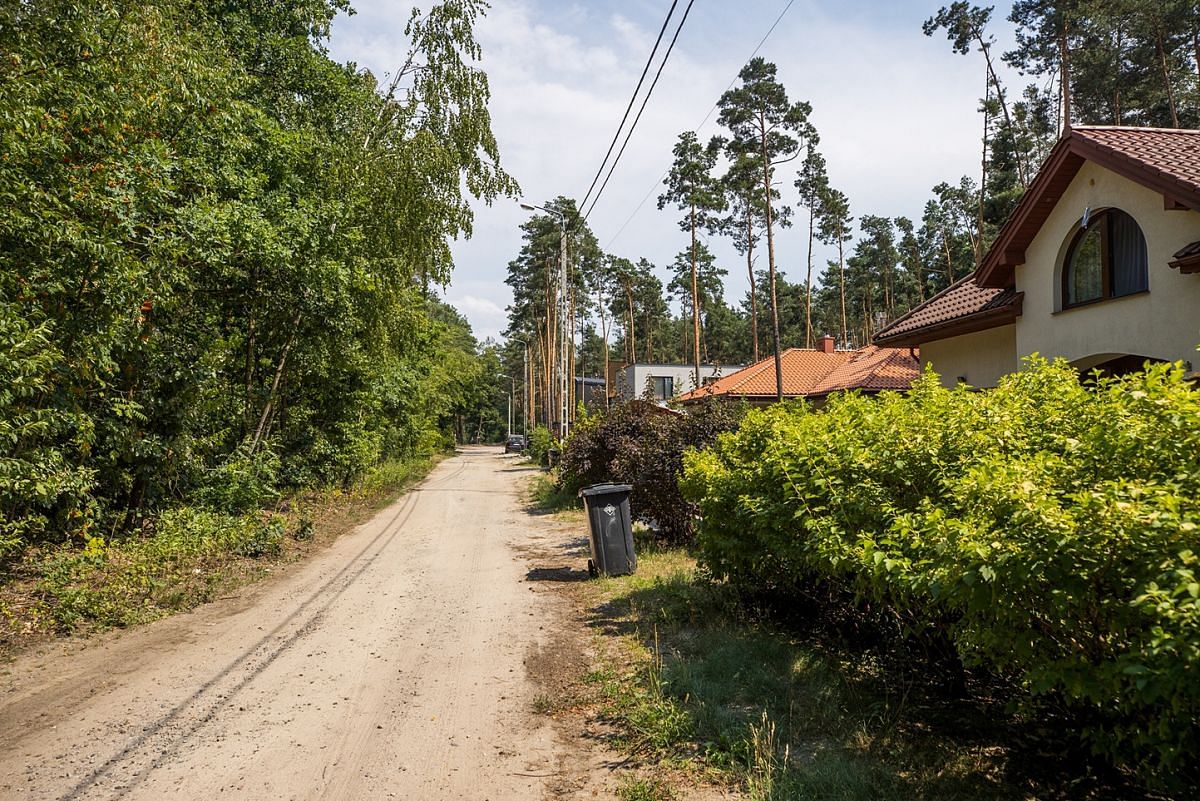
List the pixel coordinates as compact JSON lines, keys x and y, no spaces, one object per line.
{"x":969,"y":324}
{"x":1060,"y":168}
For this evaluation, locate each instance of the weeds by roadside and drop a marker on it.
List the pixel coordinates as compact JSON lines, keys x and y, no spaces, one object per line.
{"x":699,"y":685}
{"x":183,"y":558}
{"x":634,"y":788}
{"x":545,"y":495}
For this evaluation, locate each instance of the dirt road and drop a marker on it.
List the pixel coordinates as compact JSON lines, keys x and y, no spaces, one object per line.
{"x":391,"y":665}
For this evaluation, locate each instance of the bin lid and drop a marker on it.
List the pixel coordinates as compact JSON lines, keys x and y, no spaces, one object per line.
{"x":604,"y":489}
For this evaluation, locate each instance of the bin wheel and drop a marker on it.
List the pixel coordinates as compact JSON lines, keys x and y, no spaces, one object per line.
{"x":592,"y":571}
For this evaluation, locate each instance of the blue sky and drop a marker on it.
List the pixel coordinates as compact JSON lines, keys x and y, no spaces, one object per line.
{"x":896,"y":111}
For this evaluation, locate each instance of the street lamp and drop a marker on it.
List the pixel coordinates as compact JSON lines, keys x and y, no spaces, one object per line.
{"x":511,"y":390}
{"x":563,"y":379}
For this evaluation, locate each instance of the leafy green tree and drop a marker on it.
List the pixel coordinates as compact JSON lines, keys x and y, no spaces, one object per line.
{"x":219,"y":242}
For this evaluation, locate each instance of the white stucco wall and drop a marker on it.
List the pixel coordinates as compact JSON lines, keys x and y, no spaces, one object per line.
{"x":979,"y":359}
{"x":1163,"y":323}
{"x":631,"y":381}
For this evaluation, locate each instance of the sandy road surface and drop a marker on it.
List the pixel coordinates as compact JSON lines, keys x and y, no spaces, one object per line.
{"x":390,"y":665}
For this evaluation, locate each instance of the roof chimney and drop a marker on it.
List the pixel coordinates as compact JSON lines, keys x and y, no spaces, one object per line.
{"x":826,"y":344}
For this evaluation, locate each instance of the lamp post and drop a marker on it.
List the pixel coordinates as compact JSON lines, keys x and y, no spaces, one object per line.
{"x":562,"y":368}
{"x":511,"y":390}
{"x":526,"y":389}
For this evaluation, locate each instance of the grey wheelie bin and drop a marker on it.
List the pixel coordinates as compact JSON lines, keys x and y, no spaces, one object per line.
{"x":611,"y":529}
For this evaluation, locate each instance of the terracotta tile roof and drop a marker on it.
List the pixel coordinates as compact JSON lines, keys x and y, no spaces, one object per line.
{"x":813,"y":373}
{"x":1164,"y":160}
{"x":803,"y":369}
{"x":872,"y":369}
{"x":960,"y":308}
{"x":1172,"y":153}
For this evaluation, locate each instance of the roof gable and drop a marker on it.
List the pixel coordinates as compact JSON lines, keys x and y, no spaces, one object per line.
{"x":872,"y":369}
{"x":1164,"y":160}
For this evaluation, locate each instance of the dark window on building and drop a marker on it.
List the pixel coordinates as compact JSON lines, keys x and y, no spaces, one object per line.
{"x":664,"y":387}
{"x":1107,"y":259}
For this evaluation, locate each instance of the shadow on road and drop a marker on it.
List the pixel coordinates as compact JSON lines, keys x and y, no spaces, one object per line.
{"x":556,"y":574}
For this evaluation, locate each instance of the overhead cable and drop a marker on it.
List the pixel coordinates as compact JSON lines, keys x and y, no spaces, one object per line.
{"x":632,"y":100}
{"x":707,"y":116}
{"x":645,"y":100}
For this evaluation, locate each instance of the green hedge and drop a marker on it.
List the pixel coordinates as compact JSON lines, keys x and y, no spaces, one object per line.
{"x":1049,"y":529}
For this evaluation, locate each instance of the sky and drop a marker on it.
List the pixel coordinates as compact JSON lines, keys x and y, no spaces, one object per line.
{"x":897,"y":113}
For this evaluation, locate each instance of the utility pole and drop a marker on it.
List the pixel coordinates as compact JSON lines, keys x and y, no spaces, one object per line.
{"x":565,"y":331}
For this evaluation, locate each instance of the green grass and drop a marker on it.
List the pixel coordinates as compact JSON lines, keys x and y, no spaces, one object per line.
{"x":698,"y":684}
{"x":546,"y":496}
{"x":186,"y":557}
{"x":636,"y":788}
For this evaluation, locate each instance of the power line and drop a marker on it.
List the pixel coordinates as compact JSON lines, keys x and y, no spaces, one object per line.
{"x":667,"y":172}
{"x":632,"y":100}
{"x":645,"y":100}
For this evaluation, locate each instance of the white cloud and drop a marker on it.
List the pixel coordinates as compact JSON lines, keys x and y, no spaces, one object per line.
{"x":895,"y":109}
{"x":488,"y":318}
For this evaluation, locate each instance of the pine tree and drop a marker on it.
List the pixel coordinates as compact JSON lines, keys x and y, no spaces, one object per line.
{"x":693,"y":189}
{"x":813,"y":184}
{"x":746,"y":223}
{"x":769,"y":128}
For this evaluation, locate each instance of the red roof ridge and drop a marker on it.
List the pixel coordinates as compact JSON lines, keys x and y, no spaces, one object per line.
{"x":808,"y":372}
{"x":1147,"y":128}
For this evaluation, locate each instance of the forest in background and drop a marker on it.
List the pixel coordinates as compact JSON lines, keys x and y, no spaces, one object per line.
{"x":216,"y":256}
{"x":1093,"y":62}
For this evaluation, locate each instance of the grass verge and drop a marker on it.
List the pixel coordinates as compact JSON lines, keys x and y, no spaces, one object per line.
{"x":546,"y":496}
{"x":183,"y":558}
{"x":700,"y":686}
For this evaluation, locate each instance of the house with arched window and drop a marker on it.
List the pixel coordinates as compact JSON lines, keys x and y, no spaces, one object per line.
{"x":1099,"y":264}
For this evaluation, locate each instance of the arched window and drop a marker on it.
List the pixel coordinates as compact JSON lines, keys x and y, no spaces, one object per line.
{"x":1107,"y":259}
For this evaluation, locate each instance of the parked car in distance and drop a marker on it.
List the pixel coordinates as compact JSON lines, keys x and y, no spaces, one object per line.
{"x":515,"y":444}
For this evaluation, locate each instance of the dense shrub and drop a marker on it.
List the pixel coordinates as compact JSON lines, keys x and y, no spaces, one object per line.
{"x":43,"y":485}
{"x":241,"y":483}
{"x":1048,"y":528}
{"x":642,"y":445}
{"x":540,"y":442}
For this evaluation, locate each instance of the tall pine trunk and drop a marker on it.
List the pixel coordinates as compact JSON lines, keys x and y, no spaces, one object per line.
{"x":1166,"y":70}
{"x":630,"y":332}
{"x":762,"y":125}
{"x":842,"y":283}
{"x":695,"y":303}
{"x":750,"y":275}
{"x":808,"y":332}
{"x":983,"y":177}
{"x":1064,"y":55}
